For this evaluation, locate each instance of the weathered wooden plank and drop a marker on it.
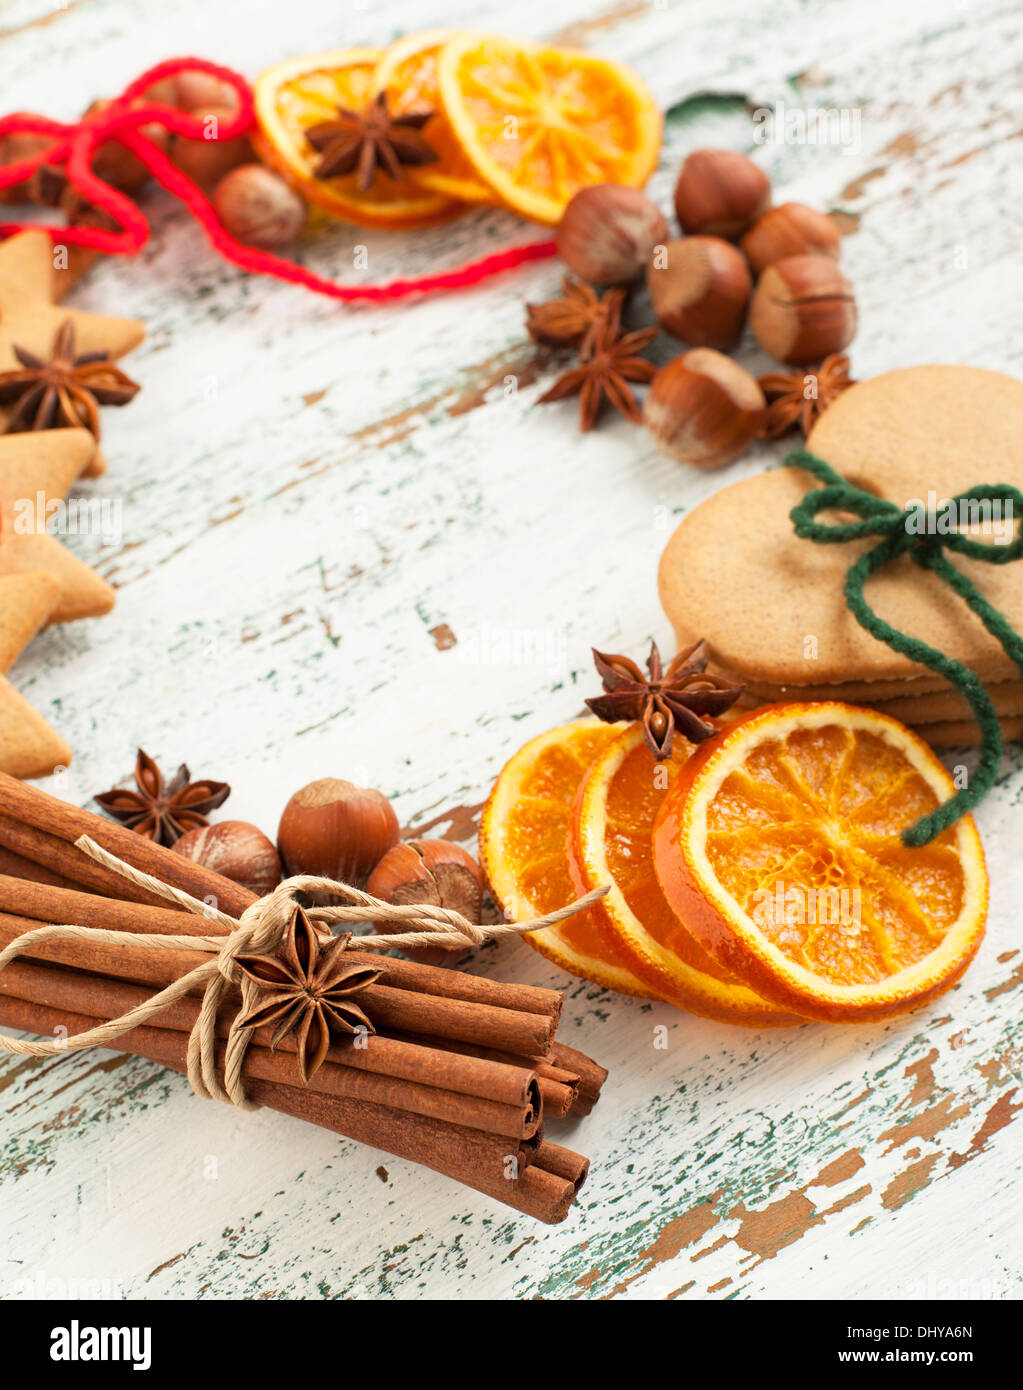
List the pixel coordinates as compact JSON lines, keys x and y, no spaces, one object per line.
{"x":310,"y":493}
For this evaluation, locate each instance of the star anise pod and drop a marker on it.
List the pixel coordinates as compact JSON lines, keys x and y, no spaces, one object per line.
{"x":611,"y":362}
{"x":369,"y":140}
{"x":801,"y":397}
{"x":159,"y":811}
{"x":65,"y":391}
{"x":574,"y":317}
{"x":667,"y":701}
{"x":305,"y":987}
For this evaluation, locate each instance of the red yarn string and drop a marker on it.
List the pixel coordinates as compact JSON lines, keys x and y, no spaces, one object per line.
{"x":122,"y":120}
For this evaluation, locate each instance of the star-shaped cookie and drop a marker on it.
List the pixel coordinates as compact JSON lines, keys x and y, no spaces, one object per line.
{"x":28,"y":746}
{"x":30,"y":316}
{"x":38,"y":469}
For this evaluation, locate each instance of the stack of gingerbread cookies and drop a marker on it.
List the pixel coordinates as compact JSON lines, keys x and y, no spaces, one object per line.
{"x":771,"y":605}
{"x":56,"y":367}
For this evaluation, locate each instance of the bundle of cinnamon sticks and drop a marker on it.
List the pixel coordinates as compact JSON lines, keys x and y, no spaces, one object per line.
{"x":458,"y":1076}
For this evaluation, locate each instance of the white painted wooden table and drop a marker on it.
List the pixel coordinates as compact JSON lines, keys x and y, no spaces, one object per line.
{"x":311,"y":493}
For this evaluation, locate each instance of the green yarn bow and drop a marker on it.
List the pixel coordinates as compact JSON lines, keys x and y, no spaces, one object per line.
{"x":899,"y":536}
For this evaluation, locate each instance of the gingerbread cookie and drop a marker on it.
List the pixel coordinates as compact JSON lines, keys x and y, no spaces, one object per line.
{"x":36,"y":471}
{"x":771,"y":605}
{"x":30,"y":317}
{"x":28,"y":746}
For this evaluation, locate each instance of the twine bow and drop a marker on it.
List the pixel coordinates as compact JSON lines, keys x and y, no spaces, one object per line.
{"x":258,"y":931}
{"x":123,"y":120}
{"x":899,"y":534}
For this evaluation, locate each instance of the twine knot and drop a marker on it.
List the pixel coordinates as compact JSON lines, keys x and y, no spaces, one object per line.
{"x":259,"y":931}
{"x":917,"y":532}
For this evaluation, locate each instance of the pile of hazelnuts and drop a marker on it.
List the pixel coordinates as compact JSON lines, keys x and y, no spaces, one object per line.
{"x":336,"y":830}
{"x":255,"y":205}
{"x":739,"y":261}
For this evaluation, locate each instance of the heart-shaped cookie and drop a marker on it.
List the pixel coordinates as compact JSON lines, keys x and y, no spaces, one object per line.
{"x":771,"y":605}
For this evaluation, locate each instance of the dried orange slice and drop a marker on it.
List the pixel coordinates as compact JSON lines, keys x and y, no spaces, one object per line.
{"x":540,"y":123}
{"x":302,"y":92}
{"x":524,"y":851}
{"x":779,"y":847}
{"x":612,"y":823}
{"x":407,"y":72}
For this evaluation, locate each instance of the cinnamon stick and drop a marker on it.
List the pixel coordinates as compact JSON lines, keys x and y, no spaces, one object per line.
{"x":559,"y":1089}
{"x":400,"y":1009}
{"x":456,"y":1152}
{"x":76,"y":994}
{"x":18,"y":867}
{"x":563,"y":1163}
{"x":62,"y":821}
{"x":462,"y":1071}
{"x":591,"y":1075}
{"x":57,"y":823}
{"x":60,"y":858}
{"x":57,"y":903}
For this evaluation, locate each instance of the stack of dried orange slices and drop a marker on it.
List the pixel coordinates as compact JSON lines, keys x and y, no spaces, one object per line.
{"x":514,"y":123}
{"x":759,"y":878}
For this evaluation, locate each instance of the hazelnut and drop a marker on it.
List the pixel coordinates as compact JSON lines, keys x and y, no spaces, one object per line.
{"x":701,"y":291}
{"x":258,"y":208}
{"x":13,"y":149}
{"x":118,"y":166}
{"x":704,"y":409}
{"x":236,"y":849}
{"x":196,"y":91}
{"x":608,"y":232}
{"x":428,"y":871}
{"x":47,"y":185}
{"x":337,"y":830}
{"x":206,"y":160}
{"x":720,"y":193}
{"x":793,"y":229}
{"x":803,"y":309}
{"x":166,"y":92}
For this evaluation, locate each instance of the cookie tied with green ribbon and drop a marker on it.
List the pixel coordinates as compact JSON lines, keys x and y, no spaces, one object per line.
{"x":906,"y":531}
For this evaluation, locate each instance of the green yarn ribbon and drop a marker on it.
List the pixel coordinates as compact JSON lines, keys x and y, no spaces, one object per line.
{"x":896,"y":529}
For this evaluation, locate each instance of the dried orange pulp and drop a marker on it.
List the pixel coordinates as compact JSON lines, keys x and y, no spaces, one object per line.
{"x":299,"y":93}
{"x":524,"y":851}
{"x":779,"y":847}
{"x":540,"y":123}
{"x":612,"y":822}
{"x":407,"y":72}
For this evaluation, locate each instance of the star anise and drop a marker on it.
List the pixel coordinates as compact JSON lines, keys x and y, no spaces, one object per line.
{"x":801,"y":397}
{"x":306,"y":987}
{"x":159,"y":811}
{"x":574,"y":317}
{"x":65,"y":391}
{"x":667,"y":701}
{"x":611,"y":362}
{"x":370,"y":140}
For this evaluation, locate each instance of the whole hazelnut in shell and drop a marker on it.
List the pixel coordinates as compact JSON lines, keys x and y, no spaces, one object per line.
{"x":206,"y":160}
{"x":258,"y":208}
{"x":720,"y":193}
{"x":793,"y":229}
{"x":700,"y":287}
{"x":428,"y":871}
{"x":704,"y":409}
{"x":608,"y":232}
{"x":195,"y":91}
{"x":13,"y":149}
{"x":236,"y":849}
{"x":166,"y":91}
{"x":803,"y":309}
{"x":117,"y":165}
{"x":337,"y":830}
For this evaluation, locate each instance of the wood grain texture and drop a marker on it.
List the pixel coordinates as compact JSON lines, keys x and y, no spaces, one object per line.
{"x":352,"y":547}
